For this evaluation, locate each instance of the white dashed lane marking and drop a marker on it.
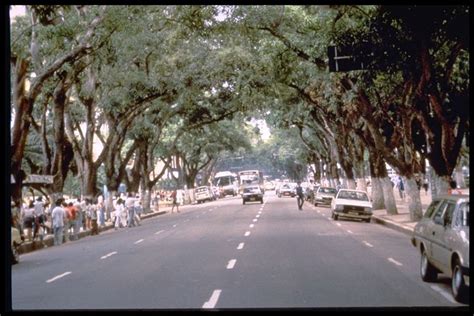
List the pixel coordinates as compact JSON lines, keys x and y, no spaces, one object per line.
{"x":231,"y":263}
{"x":58,"y":277}
{"x":159,"y":232}
{"x":213,"y":300}
{"x":240,"y":246}
{"x":367,"y":244}
{"x":108,"y":255}
{"x":255,"y":220}
{"x":247,"y":233}
{"x":138,"y":241}
{"x":395,"y":261}
{"x":252,"y":226}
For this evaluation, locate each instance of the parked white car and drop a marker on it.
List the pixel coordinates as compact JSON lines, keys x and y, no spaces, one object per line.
{"x":351,"y":204}
{"x":203,"y":194}
{"x":442,"y":238}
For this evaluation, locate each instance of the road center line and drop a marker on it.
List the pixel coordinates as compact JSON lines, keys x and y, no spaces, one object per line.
{"x":395,"y":261}
{"x":252,"y":226}
{"x":159,"y":232}
{"x":58,"y":277}
{"x":443,"y":293}
{"x":247,"y":233}
{"x":240,"y":246}
{"x":108,"y":255}
{"x":255,"y":220}
{"x":138,"y":241}
{"x":367,"y":244}
{"x":257,"y":216}
{"x":231,"y":263}
{"x":213,"y":300}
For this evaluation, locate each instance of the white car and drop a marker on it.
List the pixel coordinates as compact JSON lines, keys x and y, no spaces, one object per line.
{"x":351,"y":204}
{"x":203,"y":194}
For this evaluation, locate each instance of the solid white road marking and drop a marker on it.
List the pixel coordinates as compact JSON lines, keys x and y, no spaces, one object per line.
{"x":138,"y":241}
{"x":446,"y":295}
{"x":108,"y":255}
{"x":213,"y":300}
{"x":240,"y":246}
{"x":395,"y":261}
{"x":159,"y":232}
{"x":367,"y":244}
{"x":252,"y":226}
{"x":58,"y":277}
{"x":231,"y":263}
{"x":247,"y":233}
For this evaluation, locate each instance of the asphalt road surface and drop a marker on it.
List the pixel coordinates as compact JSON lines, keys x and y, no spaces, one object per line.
{"x":223,"y":254}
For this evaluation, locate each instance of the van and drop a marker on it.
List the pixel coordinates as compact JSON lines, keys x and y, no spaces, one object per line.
{"x":203,"y":194}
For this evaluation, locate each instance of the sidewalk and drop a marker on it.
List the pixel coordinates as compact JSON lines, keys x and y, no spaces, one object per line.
{"x":401,"y":221}
{"x":48,"y":240}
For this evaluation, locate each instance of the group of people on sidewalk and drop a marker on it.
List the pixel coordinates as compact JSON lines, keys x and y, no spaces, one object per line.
{"x":66,"y":219}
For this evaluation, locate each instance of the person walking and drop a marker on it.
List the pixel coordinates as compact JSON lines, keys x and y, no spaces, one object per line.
{"x":58,"y":215}
{"x":119,"y":208}
{"x":28,"y":217}
{"x":300,"y":195}
{"x":71,"y":214}
{"x":38,"y":225}
{"x":94,"y":225}
{"x":401,"y":188}
{"x":130,"y":206}
{"x":138,"y":211}
{"x":174,"y":196}
{"x":101,"y":210}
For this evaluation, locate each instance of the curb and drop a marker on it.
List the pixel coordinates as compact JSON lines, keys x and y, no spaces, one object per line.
{"x":401,"y":228}
{"x":48,"y":240}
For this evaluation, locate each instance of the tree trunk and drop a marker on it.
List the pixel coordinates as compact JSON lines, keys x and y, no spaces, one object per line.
{"x":413,"y":199}
{"x":377,"y":194}
{"x":146,"y":200}
{"x":439,"y":185}
{"x":109,"y":204}
{"x":389,"y":199}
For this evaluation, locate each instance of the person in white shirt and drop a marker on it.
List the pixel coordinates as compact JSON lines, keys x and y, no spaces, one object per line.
{"x":58,"y":215}
{"x":119,"y":209}
{"x":28,"y":217}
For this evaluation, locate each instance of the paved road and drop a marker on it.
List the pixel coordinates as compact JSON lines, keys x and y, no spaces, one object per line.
{"x":227,"y":255}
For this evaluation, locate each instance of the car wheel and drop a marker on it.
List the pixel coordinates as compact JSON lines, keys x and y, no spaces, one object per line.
{"x":243,"y":202}
{"x":427,"y":271}
{"x":334,"y":215}
{"x":367,"y":220}
{"x":458,"y":287}
{"x":315,"y":204}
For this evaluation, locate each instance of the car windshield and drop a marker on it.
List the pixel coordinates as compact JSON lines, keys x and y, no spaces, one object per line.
{"x":465,"y":211}
{"x":353,"y":195}
{"x":328,"y":190}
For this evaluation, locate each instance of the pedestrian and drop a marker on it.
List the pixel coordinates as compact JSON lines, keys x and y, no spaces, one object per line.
{"x":130,"y":206}
{"x":118,"y":214}
{"x":101,"y":210}
{"x":401,"y":188}
{"x":71,"y":214}
{"x":174,"y":196}
{"x":425,"y":186}
{"x":300,"y":195}
{"x":58,"y":215}
{"x":138,"y":211}
{"x":88,"y":214}
{"x":94,"y":225}
{"x":28,"y":216}
{"x":39,"y":219}
{"x":66,"y":222}
{"x":79,"y":215}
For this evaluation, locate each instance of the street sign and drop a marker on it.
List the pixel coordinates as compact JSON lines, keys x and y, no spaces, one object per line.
{"x":343,"y":59}
{"x":38,"y":178}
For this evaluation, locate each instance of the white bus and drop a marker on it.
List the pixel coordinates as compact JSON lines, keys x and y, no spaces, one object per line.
{"x":251,"y":177}
{"x":227,"y":183}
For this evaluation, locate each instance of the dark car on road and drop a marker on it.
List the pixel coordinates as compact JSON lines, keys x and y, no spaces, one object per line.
{"x":442,"y":238}
{"x":252,"y":193}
